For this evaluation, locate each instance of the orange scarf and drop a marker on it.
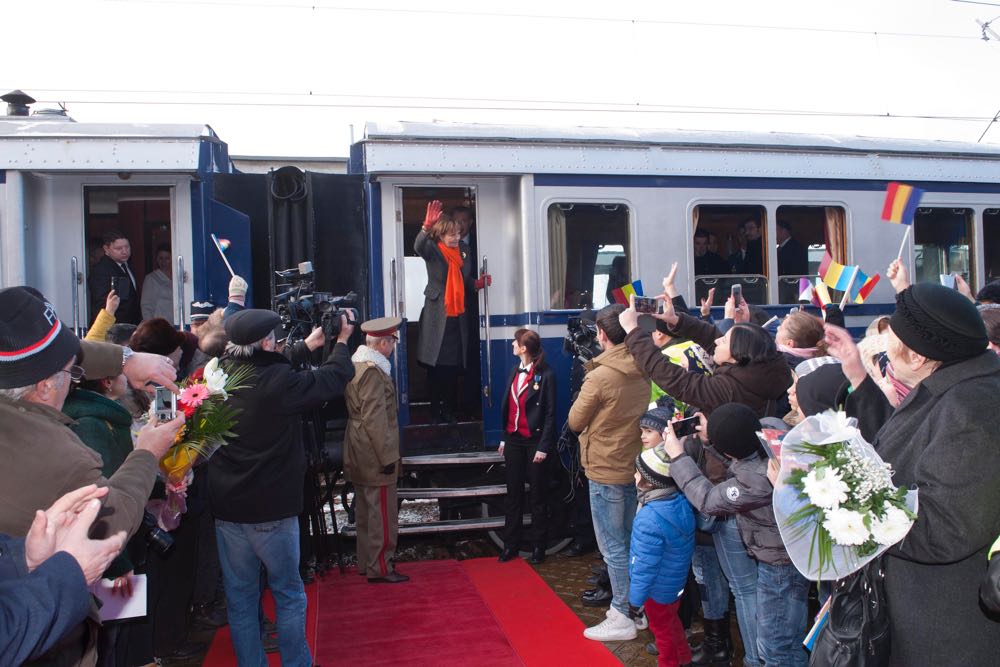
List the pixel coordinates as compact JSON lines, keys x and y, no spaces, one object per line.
{"x":454,"y":287}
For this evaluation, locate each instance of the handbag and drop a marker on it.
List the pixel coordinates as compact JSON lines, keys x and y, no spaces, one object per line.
{"x":857,"y":631}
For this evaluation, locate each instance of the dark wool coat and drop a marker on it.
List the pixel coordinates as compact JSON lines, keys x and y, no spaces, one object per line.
{"x":258,"y":475}
{"x":433,"y":317}
{"x":943,"y":440}
{"x":99,"y":284}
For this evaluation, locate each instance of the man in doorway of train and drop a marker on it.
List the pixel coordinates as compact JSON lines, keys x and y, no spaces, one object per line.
{"x":793,"y":258}
{"x":371,"y":451}
{"x":606,"y":415}
{"x":255,"y":482}
{"x":706,"y":262}
{"x":113,"y":272}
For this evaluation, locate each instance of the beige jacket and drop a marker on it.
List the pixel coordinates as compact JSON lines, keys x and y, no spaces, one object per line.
{"x":372,"y":439}
{"x":606,"y":415}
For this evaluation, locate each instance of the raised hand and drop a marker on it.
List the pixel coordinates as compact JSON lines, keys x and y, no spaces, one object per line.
{"x":706,"y":303}
{"x":433,"y":213}
{"x":629,"y":318}
{"x":840,"y":345}
{"x":157,"y":438}
{"x":898,"y":275}
{"x":93,"y":556}
{"x":963,"y":288}
{"x":112,"y":302}
{"x":144,"y":371}
{"x":41,"y":540}
{"x":668,"y":282}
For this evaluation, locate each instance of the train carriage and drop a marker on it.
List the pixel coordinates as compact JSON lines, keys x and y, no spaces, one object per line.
{"x":561,"y":218}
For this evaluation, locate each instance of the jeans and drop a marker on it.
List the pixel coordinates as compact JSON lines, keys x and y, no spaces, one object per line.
{"x":613,"y":508}
{"x":712,"y":583}
{"x":741,"y":571}
{"x":242,"y":549}
{"x":782,"y":615}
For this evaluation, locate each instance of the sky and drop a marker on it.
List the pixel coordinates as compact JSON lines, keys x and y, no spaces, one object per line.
{"x":299,"y":78}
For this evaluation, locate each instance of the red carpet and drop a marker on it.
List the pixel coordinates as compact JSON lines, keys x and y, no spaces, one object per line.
{"x":220,"y":653}
{"x":475,"y":612}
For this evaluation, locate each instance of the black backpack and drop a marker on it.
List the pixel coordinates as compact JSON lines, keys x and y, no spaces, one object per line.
{"x":857,"y":632}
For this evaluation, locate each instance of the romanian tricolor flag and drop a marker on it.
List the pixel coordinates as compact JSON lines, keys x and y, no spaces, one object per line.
{"x":821,"y":295}
{"x":901,"y":203}
{"x":838,"y":276}
{"x":622,"y":294}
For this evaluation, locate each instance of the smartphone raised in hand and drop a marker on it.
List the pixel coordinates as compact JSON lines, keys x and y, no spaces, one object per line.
{"x":948,"y":280}
{"x":737,"y":293}
{"x":648,"y":304}
{"x":165,"y":405}
{"x":683,"y":427}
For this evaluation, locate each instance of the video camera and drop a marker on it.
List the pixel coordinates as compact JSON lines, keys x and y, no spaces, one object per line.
{"x":581,"y":338}
{"x":301,"y":308}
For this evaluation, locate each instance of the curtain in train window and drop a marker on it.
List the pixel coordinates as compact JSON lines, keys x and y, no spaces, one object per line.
{"x":803,"y":235}
{"x":991,"y":244}
{"x":588,"y":253}
{"x":942,"y":243}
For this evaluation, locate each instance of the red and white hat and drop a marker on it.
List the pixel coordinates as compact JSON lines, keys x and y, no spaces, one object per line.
{"x":34,"y":344}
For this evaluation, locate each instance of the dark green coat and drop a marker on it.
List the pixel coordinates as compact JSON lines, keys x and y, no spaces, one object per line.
{"x":106,"y":427}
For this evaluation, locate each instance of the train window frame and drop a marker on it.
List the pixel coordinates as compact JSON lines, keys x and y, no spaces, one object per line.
{"x":984,"y":244}
{"x":764,"y":223}
{"x":972,"y":244}
{"x":546,"y":297}
{"x":841,"y":256}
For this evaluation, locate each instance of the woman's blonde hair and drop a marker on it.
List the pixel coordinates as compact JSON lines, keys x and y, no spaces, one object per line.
{"x":443,"y":226}
{"x":806,"y":330}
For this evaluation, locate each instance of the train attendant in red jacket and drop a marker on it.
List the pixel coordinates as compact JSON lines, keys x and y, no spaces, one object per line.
{"x":529,"y":419}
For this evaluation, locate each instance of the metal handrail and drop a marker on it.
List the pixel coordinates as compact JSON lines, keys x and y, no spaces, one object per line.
{"x":74,"y":270}
{"x":180,"y":292}
{"x":488,"y":386}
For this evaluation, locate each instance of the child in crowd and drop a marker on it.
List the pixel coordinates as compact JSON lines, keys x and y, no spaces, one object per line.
{"x":661,"y":549}
{"x":652,"y":424}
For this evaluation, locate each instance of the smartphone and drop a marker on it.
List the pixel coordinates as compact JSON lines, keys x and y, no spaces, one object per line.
{"x":165,"y":404}
{"x":948,"y":280}
{"x":114,"y":283}
{"x":648,"y":304}
{"x":770,"y":442}
{"x":683,"y":427}
{"x":737,"y":291}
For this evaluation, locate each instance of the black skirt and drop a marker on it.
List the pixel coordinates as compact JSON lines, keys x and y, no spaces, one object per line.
{"x":450,"y":353}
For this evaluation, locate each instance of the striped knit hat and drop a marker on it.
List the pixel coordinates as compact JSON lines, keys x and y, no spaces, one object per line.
{"x":34,"y":344}
{"x":654,"y":467}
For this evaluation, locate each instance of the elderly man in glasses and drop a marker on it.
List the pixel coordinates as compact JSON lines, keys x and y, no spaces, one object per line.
{"x":44,"y":459}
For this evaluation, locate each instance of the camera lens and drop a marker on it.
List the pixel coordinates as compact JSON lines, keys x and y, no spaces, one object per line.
{"x":156,"y":538}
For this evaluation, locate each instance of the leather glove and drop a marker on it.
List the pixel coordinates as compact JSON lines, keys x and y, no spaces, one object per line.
{"x":989,"y":590}
{"x":834,"y":315}
{"x":237,"y":286}
{"x":485,"y":280}
{"x":389,"y":469}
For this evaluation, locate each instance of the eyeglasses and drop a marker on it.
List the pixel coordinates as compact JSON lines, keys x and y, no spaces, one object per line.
{"x":75,"y":373}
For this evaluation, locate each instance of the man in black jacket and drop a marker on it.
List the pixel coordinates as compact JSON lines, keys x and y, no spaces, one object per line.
{"x":112,"y":272}
{"x":255,"y":482}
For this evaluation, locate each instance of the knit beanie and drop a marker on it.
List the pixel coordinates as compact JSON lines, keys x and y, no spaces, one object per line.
{"x":34,"y":344}
{"x":732,"y":429}
{"x":654,"y":467}
{"x":656,"y":419}
{"x":939,"y":323}
{"x":824,"y":388}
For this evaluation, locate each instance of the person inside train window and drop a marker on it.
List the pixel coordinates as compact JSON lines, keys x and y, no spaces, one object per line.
{"x":463,"y":216}
{"x":112,"y":272}
{"x":617,"y":276}
{"x":444,"y":322}
{"x":793,"y":257}
{"x":158,"y":288}
{"x":706,"y":262}
{"x":749,"y":258}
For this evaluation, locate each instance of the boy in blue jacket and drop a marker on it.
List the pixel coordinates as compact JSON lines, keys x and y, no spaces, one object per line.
{"x":662,"y":545}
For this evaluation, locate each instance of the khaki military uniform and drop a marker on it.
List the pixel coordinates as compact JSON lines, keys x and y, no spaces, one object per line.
{"x":371,"y":446}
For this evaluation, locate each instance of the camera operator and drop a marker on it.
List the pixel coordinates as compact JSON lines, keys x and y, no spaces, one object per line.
{"x":255,"y":481}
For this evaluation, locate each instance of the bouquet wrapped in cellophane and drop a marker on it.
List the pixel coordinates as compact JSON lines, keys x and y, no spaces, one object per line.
{"x":207,"y":426}
{"x":834,"y":500}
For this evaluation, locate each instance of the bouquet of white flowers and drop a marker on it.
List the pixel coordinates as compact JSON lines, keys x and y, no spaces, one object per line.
{"x":834,"y":500}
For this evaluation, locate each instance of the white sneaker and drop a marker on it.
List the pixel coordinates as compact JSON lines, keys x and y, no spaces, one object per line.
{"x":617,"y":627}
{"x":641,"y":622}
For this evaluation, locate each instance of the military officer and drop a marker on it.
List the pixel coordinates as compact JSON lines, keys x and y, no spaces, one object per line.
{"x":371,"y":451}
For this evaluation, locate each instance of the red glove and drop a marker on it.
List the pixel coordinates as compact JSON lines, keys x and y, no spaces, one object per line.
{"x":433,"y":213}
{"x":485,"y":280}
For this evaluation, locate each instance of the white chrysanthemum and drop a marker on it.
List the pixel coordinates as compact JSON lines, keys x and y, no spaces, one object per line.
{"x":892,"y":527}
{"x":825,"y":488}
{"x":846,"y":527}
{"x":215,"y":378}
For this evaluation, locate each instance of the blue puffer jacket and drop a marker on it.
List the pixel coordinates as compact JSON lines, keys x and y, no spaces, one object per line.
{"x":662,"y":545}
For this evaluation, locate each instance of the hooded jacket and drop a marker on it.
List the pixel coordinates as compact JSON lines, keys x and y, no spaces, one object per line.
{"x":606,"y":415}
{"x":759,"y":386}
{"x":661,"y":549}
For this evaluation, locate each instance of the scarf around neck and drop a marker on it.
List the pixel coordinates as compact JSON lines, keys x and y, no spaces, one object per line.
{"x":454,"y":288}
{"x":365,"y":353}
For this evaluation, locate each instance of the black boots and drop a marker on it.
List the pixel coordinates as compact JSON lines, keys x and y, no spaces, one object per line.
{"x":715,"y":649}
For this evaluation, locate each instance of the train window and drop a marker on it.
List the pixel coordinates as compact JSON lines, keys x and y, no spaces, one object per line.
{"x":941,"y":243}
{"x":589,"y":254}
{"x":991,"y":244}
{"x":803,"y":235}
{"x":729,"y":244}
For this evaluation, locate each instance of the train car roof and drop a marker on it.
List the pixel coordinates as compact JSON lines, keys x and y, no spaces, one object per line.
{"x":457,"y":148}
{"x":64,"y":145}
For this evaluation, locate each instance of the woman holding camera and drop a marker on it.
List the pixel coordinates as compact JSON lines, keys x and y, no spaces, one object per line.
{"x":444,"y":323}
{"x":529,"y":420}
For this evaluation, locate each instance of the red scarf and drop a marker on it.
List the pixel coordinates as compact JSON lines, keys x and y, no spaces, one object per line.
{"x":454,"y":287}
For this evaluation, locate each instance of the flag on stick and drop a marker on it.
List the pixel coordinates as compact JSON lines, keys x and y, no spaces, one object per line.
{"x":622,"y":294}
{"x":838,"y":276}
{"x":901,"y":203}
{"x":221,"y":245}
{"x":822,"y":293}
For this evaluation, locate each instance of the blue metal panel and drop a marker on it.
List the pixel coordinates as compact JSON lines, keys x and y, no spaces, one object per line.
{"x":725,"y":183}
{"x":227,"y":223}
{"x":356,"y":161}
{"x":200,"y":289}
{"x":3,"y":176}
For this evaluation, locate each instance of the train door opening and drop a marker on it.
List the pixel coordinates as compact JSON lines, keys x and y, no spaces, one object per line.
{"x":136,"y":264}
{"x":447,"y":393}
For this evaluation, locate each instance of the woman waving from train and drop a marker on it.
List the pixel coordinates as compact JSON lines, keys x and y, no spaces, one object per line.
{"x":749,"y":368}
{"x":444,"y":325}
{"x":529,"y":421}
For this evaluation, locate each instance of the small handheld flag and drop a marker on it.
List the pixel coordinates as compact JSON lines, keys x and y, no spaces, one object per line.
{"x":901,"y":203}
{"x":221,"y":245}
{"x":622,"y":294}
{"x":822,"y":294}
